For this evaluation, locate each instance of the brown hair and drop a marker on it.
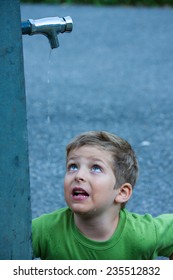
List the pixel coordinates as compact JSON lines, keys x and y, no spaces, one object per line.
{"x":125,"y":165}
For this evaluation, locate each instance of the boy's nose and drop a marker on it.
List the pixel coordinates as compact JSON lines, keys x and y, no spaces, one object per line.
{"x":80,"y":176}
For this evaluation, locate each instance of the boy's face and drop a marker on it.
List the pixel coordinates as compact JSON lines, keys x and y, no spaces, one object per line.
{"x":89,"y":181}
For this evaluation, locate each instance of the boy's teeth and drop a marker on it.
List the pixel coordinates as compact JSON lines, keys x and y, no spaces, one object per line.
{"x":80,"y":193}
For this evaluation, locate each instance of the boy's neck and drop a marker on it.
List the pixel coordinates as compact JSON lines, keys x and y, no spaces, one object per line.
{"x":99,"y":228}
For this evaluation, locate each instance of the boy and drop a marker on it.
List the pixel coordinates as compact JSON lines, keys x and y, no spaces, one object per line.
{"x":101,"y":172}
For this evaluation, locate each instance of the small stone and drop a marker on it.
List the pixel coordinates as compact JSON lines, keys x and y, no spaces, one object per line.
{"x":145,"y":143}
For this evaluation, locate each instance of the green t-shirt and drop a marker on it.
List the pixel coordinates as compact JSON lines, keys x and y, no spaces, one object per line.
{"x":137,"y":237}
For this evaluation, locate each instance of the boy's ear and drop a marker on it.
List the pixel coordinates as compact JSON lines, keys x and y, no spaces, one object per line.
{"x":124,"y":193}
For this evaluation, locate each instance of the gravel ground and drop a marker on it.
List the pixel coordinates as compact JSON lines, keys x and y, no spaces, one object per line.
{"x":114,"y":73}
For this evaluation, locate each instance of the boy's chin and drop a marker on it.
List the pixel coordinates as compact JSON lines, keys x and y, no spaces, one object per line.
{"x":79,"y":211}
{"x":82,"y":209}
{"x":85,"y":213}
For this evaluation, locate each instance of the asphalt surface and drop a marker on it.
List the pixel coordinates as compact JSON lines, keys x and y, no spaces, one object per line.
{"x":114,"y":72}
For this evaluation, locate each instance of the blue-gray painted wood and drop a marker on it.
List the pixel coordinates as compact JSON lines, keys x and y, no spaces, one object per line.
{"x":15,"y":210}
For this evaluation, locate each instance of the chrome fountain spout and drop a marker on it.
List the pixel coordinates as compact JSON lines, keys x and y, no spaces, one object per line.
{"x":50,"y":27}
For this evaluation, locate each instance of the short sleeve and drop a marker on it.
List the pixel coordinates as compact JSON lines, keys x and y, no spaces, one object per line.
{"x":164,"y":234}
{"x":36,"y":236}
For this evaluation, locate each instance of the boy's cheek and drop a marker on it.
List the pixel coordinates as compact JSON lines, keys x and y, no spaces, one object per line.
{"x":66,"y":179}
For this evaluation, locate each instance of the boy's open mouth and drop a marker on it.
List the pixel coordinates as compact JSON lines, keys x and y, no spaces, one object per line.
{"x":79,"y":193}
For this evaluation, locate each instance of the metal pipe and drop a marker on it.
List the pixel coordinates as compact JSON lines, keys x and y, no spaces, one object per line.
{"x":50,"y":27}
{"x":26,"y":27}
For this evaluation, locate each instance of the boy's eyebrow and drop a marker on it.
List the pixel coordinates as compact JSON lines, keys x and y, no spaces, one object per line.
{"x":72,"y":158}
{"x":92,"y":158}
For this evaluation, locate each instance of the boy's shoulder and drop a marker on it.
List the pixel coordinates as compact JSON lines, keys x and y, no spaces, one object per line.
{"x":136,"y":222}
{"x":56,"y":212}
{"x":149,"y":224}
{"x":148,"y":233}
{"x":136,"y":217}
{"x":147,"y":218}
{"x":49,"y":219}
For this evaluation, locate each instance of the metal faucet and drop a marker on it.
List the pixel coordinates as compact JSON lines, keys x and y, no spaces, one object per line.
{"x":50,"y":27}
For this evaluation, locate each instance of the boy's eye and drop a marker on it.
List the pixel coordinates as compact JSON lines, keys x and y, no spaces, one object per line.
{"x":96,"y":168}
{"x":72,"y":167}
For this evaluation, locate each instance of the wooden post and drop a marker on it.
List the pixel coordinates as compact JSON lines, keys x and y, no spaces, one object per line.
{"x":15,"y":209}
